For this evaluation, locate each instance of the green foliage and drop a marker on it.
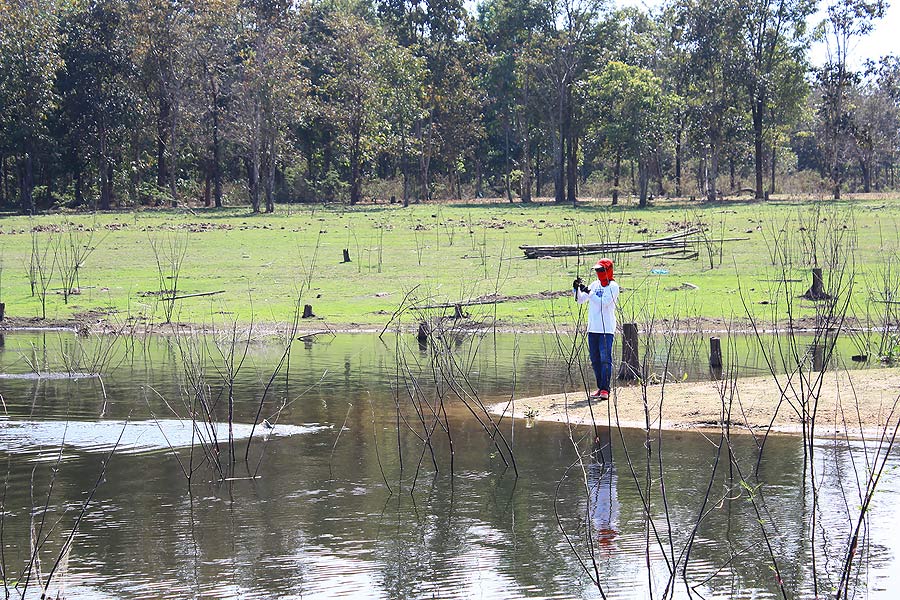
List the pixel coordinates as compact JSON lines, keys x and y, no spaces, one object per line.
{"x":278,"y":101}
{"x":633,"y":113}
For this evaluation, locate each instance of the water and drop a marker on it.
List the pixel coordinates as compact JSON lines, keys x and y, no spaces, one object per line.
{"x":322,"y":509}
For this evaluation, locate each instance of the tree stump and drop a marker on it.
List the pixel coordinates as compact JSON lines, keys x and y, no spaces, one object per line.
{"x":715,"y":353}
{"x":2,"y":310}
{"x":630,"y":367}
{"x":817,"y":289}
{"x":458,"y":312}
{"x":818,"y":357}
{"x":422,"y":335}
{"x":307,"y":311}
{"x":346,"y":256}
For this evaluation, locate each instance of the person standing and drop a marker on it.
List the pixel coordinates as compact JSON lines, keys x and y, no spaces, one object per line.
{"x":601,"y":296}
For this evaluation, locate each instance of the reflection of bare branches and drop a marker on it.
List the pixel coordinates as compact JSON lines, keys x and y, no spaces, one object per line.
{"x":429,"y":387}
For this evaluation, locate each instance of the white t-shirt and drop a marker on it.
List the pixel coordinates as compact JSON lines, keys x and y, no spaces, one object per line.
{"x":601,"y":306}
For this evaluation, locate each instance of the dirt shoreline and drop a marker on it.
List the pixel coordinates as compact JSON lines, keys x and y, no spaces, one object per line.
{"x":854,"y":404}
{"x":98,"y":322}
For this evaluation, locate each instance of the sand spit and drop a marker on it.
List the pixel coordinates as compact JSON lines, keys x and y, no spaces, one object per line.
{"x":854,"y":402}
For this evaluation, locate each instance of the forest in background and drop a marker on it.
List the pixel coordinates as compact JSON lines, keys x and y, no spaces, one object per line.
{"x":125,"y":103}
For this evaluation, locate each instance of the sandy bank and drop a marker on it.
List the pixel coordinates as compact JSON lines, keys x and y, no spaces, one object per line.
{"x":856,"y":402}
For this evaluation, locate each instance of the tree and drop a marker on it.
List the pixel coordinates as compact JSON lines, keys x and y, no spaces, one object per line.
{"x":510,"y":31}
{"x":708,"y":32}
{"x":846,"y":20}
{"x":774,"y":37}
{"x":29,"y":61}
{"x":212,"y":54}
{"x":632,"y":115}
{"x":875,"y":123}
{"x":359,"y":85}
{"x":160,"y":52}
{"x":97,"y":97}
{"x":271,"y":89}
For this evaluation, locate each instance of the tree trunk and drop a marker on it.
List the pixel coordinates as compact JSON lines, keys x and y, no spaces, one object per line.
{"x":270,"y":174}
{"x":525,"y":128}
{"x":526,"y":167}
{"x":404,"y":166}
{"x":617,"y":172}
{"x":3,"y":198}
{"x":255,"y":158}
{"x":678,"y":151}
{"x":27,"y":180}
{"x":643,"y":182}
{"x":355,"y":170}
{"x":173,"y":164}
{"x":772,"y":164}
{"x":77,"y":176}
{"x":712,"y":174}
{"x":506,"y":168}
{"x":216,"y":156}
{"x":479,"y":179}
{"x":866,"y":175}
{"x":634,"y":188}
{"x":105,"y":170}
{"x":559,"y":182}
{"x":572,"y":169}
{"x":657,"y":163}
{"x":162,"y":126}
{"x":758,"y":158}
{"x":731,"y":175}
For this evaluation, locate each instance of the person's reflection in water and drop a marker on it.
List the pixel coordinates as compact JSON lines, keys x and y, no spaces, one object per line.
{"x":604,"y":502}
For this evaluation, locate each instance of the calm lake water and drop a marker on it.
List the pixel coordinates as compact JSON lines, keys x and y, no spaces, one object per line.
{"x":333,"y":503}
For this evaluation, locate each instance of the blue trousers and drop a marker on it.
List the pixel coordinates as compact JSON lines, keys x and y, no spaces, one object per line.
{"x":600,"y":350}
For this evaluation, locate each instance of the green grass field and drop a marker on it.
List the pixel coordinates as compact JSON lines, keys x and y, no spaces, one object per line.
{"x":444,"y":253}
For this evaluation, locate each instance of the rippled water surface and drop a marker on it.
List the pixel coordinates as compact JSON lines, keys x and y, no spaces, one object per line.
{"x":326,"y":500}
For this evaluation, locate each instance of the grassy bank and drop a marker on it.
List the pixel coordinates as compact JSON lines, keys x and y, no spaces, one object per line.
{"x":258,"y":265}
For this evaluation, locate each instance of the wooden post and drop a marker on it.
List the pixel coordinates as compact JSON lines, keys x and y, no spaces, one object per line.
{"x":817,"y":289}
{"x":2,"y":310}
{"x":346,"y":256}
{"x":422,"y":335}
{"x":818,"y":357}
{"x":307,"y":311}
{"x":715,"y":353}
{"x":630,"y":367}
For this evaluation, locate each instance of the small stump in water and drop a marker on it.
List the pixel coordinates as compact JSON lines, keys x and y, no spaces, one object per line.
{"x":307,"y":311}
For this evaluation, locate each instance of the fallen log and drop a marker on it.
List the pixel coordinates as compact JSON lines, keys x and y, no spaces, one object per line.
{"x":197,"y":295}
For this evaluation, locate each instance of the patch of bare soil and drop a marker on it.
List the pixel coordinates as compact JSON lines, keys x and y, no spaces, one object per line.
{"x":851,"y":403}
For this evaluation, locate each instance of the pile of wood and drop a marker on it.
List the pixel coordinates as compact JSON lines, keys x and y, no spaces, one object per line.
{"x":677,"y":241}
{"x":684,"y":245}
